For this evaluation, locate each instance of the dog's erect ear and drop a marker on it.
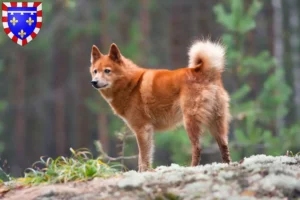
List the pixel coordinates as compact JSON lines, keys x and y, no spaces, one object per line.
{"x":114,"y":53}
{"x":95,"y":54}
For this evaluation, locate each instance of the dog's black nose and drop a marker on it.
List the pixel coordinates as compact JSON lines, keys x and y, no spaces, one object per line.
{"x":94,"y":83}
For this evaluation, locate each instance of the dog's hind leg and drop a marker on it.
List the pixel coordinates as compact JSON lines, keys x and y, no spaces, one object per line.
{"x":219,"y":129}
{"x":193,"y":130}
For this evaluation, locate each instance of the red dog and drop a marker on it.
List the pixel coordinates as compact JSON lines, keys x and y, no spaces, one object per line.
{"x":151,"y":100}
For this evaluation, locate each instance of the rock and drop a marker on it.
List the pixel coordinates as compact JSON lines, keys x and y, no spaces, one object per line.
{"x":257,"y":177}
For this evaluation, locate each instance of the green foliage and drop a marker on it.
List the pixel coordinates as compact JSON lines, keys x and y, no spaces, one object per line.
{"x":287,"y":139}
{"x":131,"y":49}
{"x":237,"y":20}
{"x":177,"y":143}
{"x":255,"y":113}
{"x":3,"y":176}
{"x":80,"y":166}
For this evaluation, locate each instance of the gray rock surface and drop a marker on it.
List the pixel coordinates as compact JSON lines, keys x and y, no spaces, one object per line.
{"x":256,"y":177}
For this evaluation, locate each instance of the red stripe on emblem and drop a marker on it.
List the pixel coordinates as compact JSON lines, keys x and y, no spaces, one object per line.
{"x":39,"y":24}
{"x":24,"y":4}
{"x":7,"y":31}
{"x":4,"y":19}
{"x":13,"y":4}
{"x":39,"y":13}
{"x":4,"y":7}
{"x":33,"y":35}
{"x":36,"y":4}
{"x":24,"y":42}
{"x":15,"y":39}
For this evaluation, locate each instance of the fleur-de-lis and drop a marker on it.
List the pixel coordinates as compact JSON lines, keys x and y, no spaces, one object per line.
{"x":29,"y":21}
{"x":14,"y":21}
{"x":22,"y":33}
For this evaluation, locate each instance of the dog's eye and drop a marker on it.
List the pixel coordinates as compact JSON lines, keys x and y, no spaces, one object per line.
{"x":107,"y":71}
{"x":95,"y":71}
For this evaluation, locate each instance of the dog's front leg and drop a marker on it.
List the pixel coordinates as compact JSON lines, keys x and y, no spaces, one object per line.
{"x":144,"y":137}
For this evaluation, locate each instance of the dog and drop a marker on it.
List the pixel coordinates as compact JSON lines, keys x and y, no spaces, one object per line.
{"x":150,"y":100}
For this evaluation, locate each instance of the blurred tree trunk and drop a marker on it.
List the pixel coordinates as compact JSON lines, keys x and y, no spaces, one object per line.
{"x":189,"y":20}
{"x":35,"y":143}
{"x":81,"y":76}
{"x":294,"y":20}
{"x":60,"y":66}
{"x":278,"y":45}
{"x":19,"y":102}
{"x":145,"y":27}
{"x":286,"y":61}
{"x":181,"y":12}
{"x":270,"y":26}
{"x":205,"y":21}
{"x":103,"y":132}
{"x":102,"y":118}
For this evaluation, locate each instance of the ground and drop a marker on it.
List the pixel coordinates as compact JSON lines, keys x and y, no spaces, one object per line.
{"x":256,"y":177}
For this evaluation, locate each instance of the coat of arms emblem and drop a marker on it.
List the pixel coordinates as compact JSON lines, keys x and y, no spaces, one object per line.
{"x":22,"y":21}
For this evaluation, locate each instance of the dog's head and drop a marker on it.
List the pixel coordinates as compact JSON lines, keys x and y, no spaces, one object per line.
{"x":106,"y":69}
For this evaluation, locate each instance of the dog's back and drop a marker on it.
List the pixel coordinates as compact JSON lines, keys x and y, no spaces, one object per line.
{"x":168,"y":96}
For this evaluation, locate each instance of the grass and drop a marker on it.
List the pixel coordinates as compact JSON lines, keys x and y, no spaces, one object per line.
{"x":3,"y":176}
{"x":291,"y":154}
{"x":80,"y":166}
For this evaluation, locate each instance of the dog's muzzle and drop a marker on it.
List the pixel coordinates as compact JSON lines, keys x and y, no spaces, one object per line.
{"x":95,"y":84}
{"x":98,"y":85}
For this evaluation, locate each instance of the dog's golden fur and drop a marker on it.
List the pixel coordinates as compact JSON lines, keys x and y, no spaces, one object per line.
{"x":151,"y":100}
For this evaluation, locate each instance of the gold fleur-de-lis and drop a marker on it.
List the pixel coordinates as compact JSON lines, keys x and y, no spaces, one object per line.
{"x":22,"y":33}
{"x":14,"y":21}
{"x":29,"y":21}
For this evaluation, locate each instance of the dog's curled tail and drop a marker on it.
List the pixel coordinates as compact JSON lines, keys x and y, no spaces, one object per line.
{"x":207,"y":56}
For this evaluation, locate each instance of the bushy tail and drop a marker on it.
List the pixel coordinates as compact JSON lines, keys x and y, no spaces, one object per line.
{"x":207,"y":56}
